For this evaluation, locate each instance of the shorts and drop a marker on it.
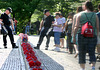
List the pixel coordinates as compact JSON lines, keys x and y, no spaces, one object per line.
{"x":62,"y":35}
{"x":86,"y":45}
{"x":76,"y":39}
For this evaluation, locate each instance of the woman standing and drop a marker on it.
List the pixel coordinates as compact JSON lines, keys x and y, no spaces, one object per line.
{"x":87,"y":44}
{"x":57,"y":29}
{"x":68,"y":24}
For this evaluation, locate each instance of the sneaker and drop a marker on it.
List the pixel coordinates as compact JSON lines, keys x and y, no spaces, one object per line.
{"x":5,"y":46}
{"x":56,"y":49}
{"x":36,"y":47}
{"x":15,"y":47}
{"x":46,"y":48}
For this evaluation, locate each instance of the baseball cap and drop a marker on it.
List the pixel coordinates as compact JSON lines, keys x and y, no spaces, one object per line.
{"x":10,"y":10}
{"x":46,"y":11}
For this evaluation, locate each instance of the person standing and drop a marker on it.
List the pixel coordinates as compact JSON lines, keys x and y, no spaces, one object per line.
{"x":87,"y":44}
{"x":46,"y":24}
{"x":7,"y":23}
{"x":57,"y":29}
{"x":69,"y":23}
{"x":63,"y":31}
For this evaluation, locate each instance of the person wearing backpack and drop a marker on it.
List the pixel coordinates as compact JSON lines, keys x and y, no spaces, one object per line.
{"x":87,"y":34}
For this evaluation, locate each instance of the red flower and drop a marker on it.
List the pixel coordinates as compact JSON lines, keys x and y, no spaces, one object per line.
{"x":23,"y":44}
{"x":31,"y":63}
{"x":26,"y":51}
{"x":30,"y":59}
{"x":38,"y":63}
{"x":34,"y":69}
{"x":28,"y":56}
{"x":24,"y":48}
{"x":34,"y":57}
{"x":39,"y":69}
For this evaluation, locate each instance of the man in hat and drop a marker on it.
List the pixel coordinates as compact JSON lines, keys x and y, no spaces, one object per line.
{"x":7,"y":23}
{"x":46,"y":24}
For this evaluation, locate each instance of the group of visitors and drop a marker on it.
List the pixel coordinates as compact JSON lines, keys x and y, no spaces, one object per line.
{"x":82,"y":30}
{"x":58,"y":28}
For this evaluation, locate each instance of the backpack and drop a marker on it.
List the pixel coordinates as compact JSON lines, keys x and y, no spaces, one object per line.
{"x":87,"y":28}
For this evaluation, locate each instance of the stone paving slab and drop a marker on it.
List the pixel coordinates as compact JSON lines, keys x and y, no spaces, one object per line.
{"x":13,"y":61}
{"x":3,"y":52}
{"x":9,"y":58}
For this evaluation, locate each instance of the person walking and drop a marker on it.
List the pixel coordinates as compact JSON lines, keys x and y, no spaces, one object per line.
{"x":62,"y":37}
{"x":87,"y":43}
{"x":7,"y":23}
{"x":44,"y":27}
{"x":79,"y":9}
{"x":98,"y":46}
{"x":57,"y":29}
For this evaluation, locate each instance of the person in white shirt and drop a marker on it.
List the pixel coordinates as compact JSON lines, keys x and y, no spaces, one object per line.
{"x":57,"y":29}
{"x":63,"y":19}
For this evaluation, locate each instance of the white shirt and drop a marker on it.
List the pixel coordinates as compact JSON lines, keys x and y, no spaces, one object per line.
{"x":63,"y":19}
{"x":57,"y":22}
{"x":0,"y":24}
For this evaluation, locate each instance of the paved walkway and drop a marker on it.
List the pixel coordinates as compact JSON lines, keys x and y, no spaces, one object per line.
{"x":10,"y":59}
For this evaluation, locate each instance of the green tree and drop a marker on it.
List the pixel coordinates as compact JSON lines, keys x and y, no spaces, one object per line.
{"x":22,"y":10}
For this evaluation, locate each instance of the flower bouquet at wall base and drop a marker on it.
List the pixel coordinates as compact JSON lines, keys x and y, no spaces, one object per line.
{"x":30,"y":55}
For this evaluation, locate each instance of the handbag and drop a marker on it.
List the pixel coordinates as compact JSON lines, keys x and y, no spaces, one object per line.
{"x":4,"y":31}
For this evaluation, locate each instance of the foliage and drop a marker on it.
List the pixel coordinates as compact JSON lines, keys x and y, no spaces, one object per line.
{"x":25,"y":10}
{"x":22,"y":10}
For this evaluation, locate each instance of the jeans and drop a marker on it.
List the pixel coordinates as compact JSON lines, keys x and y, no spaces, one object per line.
{"x":27,"y":29}
{"x":57,"y":38}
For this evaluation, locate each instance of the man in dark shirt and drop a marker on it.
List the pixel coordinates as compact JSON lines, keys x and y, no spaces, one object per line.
{"x":7,"y":23}
{"x":45,"y":24}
